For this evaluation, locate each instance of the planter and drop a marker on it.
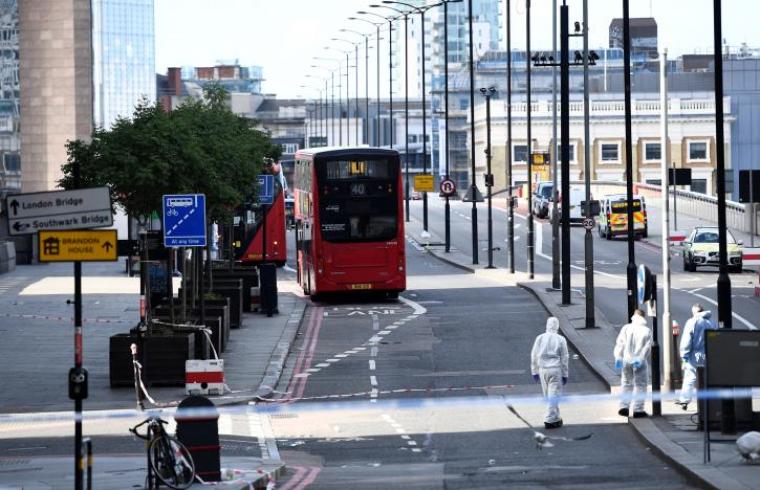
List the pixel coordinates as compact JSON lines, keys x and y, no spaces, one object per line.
{"x":164,"y":358}
{"x":120,"y":370}
{"x":235,"y":294}
{"x":220,"y":330}
{"x":250,"y":277}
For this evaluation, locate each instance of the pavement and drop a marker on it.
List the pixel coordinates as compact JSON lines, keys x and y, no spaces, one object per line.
{"x":674,"y":435}
{"x":37,"y":335}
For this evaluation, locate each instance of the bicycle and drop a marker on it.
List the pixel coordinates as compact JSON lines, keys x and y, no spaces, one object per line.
{"x":169,"y":461}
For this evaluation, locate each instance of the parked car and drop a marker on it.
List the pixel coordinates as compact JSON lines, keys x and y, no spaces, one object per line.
{"x":542,"y":198}
{"x":613,"y":217}
{"x":577,"y":196}
{"x":701,"y":248}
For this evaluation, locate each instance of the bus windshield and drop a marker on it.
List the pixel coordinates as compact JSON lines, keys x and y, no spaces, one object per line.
{"x":358,"y":200}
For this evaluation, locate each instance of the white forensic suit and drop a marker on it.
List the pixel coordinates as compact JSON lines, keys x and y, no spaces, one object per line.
{"x":549,"y":360}
{"x":632,"y":347}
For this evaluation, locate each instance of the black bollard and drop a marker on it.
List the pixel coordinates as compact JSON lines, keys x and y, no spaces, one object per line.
{"x":198,"y":429}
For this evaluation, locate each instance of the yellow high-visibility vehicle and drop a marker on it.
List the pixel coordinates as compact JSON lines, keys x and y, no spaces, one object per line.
{"x":613,"y":217}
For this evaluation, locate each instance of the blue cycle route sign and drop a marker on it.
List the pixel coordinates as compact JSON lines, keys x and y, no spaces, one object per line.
{"x":184,"y":220}
{"x":266,"y":189}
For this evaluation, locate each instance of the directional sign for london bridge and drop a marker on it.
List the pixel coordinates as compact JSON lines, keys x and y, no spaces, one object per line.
{"x":59,"y":210}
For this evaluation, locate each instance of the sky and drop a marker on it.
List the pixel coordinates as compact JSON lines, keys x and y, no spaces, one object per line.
{"x":283,"y":36}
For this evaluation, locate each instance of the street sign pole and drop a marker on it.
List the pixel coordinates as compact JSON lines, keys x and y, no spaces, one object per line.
{"x":656,"y":402}
{"x":667,"y":325}
{"x":564,"y":69}
{"x":78,"y":354}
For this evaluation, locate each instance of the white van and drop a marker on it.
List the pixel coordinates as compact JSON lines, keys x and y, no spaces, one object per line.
{"x":577,"y":196}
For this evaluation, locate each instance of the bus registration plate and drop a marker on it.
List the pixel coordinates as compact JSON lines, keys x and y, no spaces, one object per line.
{"x":361,"y":286}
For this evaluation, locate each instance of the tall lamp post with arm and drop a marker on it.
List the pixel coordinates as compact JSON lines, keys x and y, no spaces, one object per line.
{"x":377,"y":105}
{"x":340,"y":102}
{"x":356,"y":72}
{"x":405,"y":15}
{"x":348,"y":98}
{"x":390,"y":71}
{"x":421,"y":11}
{"x":366,"y":73}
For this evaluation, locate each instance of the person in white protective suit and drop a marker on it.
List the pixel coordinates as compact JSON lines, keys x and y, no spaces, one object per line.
{"x":749,"y":446}
{"x":693,"y":350}
{"x":631,"y":352}
{"x":549,"y":365}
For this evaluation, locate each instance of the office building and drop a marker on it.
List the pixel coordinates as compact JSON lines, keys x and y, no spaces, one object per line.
{"x":10,"y":141}
{"x":123,"y":57}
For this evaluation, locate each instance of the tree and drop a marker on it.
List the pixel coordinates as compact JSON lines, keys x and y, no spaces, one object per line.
{"x":201,"y":147}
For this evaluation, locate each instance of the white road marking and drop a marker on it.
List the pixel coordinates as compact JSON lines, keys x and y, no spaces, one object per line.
{"x":372,"y":365}
{"x":373,"y":380}
{"x":715,"y":303}
{"x":539,"y":242}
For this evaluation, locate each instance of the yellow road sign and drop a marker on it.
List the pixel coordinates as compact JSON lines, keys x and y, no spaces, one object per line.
{"x":78,"y":245}
{"x":423,"y":183}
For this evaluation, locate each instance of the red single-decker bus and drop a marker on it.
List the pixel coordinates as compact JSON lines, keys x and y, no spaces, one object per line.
{"x":349,"y":221}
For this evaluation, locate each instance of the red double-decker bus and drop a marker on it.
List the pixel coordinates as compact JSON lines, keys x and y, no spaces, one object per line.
{"x":251,"y":232}
{"x":349,"y":221}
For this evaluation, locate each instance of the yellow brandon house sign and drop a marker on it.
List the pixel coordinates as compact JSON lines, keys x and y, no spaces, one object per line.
{"x":79,"y":245}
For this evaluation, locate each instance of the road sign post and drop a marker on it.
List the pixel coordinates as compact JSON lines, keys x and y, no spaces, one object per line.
{"x":447,"y":187}
{"x":646,"y":286}
{"x":59,"y":210}
{"x":77,"y":245}
{"x":424,"y":183}
{"x":184,"y":220}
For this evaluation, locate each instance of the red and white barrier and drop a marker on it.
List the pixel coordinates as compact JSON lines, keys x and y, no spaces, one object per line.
{"x":751,"y":256}
{"x":676,"y":237}
{"x":204,"y":377}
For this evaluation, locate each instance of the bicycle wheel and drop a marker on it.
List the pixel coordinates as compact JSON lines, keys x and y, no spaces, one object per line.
{"x":171,"y":462}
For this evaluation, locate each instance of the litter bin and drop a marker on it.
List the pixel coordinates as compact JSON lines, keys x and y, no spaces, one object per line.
{"x":198,"y":429}
{"x":268,"y":284}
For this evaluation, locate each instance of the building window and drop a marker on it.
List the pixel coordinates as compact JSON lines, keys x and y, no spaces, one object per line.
{"x":652,"y":152}
{"x":699,"y":185}
{"x":572,"y":152}
{"x":519,"y":153}
{"x":656,"y":182}
{"x":609,"y":152}
{"x":289,"y":147}
{"x":697,"y":151}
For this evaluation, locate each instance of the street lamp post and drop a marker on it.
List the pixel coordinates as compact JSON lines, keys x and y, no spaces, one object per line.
{"x":631,"y":269}
{"x":348,"y":99}
{"x":356,"y":94}
{"x":377,"y":103}
{"x":366,"y":77}
{"x":474,"y":188}
{"x":405,"y":15}
{"x":588,"y":238}
{"x":564,"y":65}
{"x":421,"y":11}
{"x":511,"y":204}
{"x":488,"y":93}
{"x":728,"y":416}
{"x":530,"y":142}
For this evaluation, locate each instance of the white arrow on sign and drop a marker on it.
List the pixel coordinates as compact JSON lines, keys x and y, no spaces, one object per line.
{"x":59,"y":210}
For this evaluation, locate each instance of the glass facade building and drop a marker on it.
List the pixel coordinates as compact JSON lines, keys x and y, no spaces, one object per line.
{"x":10,"y":141}
{"x":123,"y":57}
